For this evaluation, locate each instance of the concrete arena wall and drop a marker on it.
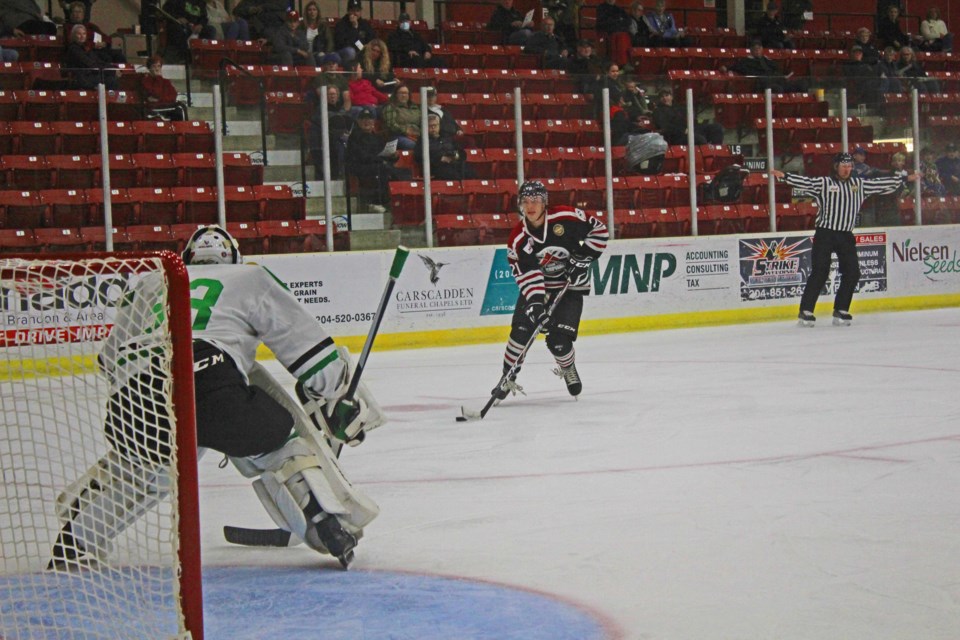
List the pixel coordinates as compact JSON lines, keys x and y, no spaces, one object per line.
{"x":464,"y":295}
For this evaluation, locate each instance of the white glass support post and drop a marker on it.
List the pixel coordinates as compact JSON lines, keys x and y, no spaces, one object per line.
{"x":518,"y":137}
{"x":771,"y":181}
{"x":608,"y":159}
{"x":325,"y":160}
{"x":425,"y":147}
{"x":218,"y":154}
{"x":918,"y":185}
{"x":692,"y":162}
{"x":105,"y":163}
{"x":844,"y":132}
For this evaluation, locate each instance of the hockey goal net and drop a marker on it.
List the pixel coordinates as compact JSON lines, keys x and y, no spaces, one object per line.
{"x":99,"y":532}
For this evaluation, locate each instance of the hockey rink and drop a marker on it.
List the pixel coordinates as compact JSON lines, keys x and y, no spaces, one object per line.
{"x":740,"y":482}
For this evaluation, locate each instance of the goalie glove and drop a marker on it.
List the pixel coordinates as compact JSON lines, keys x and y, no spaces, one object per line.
{"x":578,"y":270}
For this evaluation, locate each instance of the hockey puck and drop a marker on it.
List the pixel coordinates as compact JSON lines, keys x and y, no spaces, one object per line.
{"x":461,"y":418}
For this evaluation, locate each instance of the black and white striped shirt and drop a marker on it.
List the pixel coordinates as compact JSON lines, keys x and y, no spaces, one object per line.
{"x":840,"y":200}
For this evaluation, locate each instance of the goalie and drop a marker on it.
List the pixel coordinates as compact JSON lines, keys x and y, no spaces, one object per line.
{"x":241,"y":410}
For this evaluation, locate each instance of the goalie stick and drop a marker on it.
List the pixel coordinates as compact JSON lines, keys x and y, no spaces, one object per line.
{"x":512,"y":371}
{"x":281,"y":537}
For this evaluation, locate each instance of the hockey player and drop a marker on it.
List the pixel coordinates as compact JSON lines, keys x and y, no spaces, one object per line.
{"x":549,"y":248}
{"x":241,"y":410}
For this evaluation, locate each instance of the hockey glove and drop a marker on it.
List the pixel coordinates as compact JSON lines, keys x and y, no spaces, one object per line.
{"x":578,"y":270}
{"x":535,"y":312}
{"x":346,"y":419}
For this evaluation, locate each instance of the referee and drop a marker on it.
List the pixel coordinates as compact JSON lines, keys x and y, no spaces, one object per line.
{"x":839,"y":197}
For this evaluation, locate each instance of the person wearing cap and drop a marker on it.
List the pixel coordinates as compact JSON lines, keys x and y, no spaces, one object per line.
{"x":770,"y":29}
{"x":860,"y":167}
{"x":289,"y":44}
{"x":186,"y":19}
{"x":408,"y":48}
{"x":548,"y":44}
{"x":585,"y":64}
{"x":863,"y":79}
{"x":767,"y":73}
{"x":839,"y":197}
{"x":449,"y":127}
{"x":352,"y":32}
{"x":949,"y":168}
{"x":509,"y":22}
{"x":333,"y":76}
{"x":364,"y":161}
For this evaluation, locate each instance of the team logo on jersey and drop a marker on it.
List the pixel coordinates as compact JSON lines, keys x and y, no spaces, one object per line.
{"x":833,"y":189}
{"x":558,"y":229}
{"x":553,"y":260}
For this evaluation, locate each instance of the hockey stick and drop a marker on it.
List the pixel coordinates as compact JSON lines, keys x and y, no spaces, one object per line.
{"x":479,"y":415}
{"x":282,"y":537}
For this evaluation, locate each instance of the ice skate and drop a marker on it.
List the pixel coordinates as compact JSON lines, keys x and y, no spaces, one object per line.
{"x":338,"y":542}
{"x":842,"y":318}
{"x":571,"y":378}
{"x":509,"y":386}
{"x":806,"y":319}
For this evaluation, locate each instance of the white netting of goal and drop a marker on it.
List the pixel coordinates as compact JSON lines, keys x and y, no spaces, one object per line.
{"x":88,"y":524}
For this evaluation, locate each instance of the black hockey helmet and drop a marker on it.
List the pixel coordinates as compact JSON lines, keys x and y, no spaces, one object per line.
{"x":531,"y":189}
{"x":842,"y":158}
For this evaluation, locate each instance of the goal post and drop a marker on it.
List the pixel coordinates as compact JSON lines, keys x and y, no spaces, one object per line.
{"x":99,"y":510}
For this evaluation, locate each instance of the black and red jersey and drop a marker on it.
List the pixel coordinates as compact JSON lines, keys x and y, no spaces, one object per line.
{"x":538,"y":257}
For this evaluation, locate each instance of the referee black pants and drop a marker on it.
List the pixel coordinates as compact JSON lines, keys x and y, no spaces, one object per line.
{"x":825,"y":243}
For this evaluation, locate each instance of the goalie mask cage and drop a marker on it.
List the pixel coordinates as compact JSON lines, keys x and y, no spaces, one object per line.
{"x":99,"y":529}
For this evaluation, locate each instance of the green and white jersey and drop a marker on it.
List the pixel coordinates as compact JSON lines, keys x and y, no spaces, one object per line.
{"x":236,"y":307}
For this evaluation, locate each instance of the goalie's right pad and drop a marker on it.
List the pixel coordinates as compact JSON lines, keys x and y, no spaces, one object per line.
{"x":343,"y":420}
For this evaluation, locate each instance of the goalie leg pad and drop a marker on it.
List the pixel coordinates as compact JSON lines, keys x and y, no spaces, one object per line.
{"x":112,"y":495}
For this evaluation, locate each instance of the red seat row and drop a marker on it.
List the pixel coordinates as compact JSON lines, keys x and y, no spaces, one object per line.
{"x":734,"y":111}
{"x":485,"y":56}
{"x":499,"y":106}
{"x":29,"y":104}
{"x":146,"y":205}
{"x":268,"y":236}
{"x":28,"y":172}
{"x":490,"y":80}
{"x":818,"y":156}
{"x":580,"y":132}
{"x":154,"y":136}
{"x":789,"y":134}
{"x":467,"y":229}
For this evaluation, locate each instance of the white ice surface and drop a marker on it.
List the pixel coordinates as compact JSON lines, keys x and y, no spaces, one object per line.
{"x":742,"y":482}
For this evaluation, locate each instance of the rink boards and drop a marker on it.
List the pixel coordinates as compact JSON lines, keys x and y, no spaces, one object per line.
{"x":462,"y":295}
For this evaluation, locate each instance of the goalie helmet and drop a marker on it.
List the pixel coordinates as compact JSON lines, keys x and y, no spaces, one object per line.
{"x":211,"y":245}
{"x":531,"y":189}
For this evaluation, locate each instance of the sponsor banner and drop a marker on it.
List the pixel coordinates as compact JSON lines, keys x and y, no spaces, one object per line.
{"x":53,"y":335}
{"x":777,"y":267}
{"x":924,"y":259}
{"x":502,"y":291}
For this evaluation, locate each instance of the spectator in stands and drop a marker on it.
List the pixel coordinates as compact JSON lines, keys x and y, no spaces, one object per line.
{"x":314,"y":30}
{"x":401,"y":118}
{"x":377,"y":67}
{"x":586,"y":65}
{"x":548,"y":44}
{"x":352,"y":33}
{"x":609,"y":79}
{"x":566,"y":17}
{"x":288,"y":43}
{"x":862,"y":79}
{"x":24,"y":17}
{"x":364,"y":160}
{"x":261,"y":15}
{"x":770,"y":29}
{"x":860,"y":167}
{"x":362,"y":91}
{"x":888,"y":29}
{"x":871,"y":55}
{"x":635,"y":101}
{"x":639,"y":31}
{"x":98,"y":43}
{"x":934,"y":33}
{"x":664,"y":31}
{"x":87,"y":9}
{"x":447,"y":160}
{"x":85,"y":67}
{"x":622,"y":126}
{"x":186,"y":19}
{"x":408,"y":48}
{"x":932,"y":184}
{"x":333,"y":76}
{"x":227,"y":26}
{"x":912,"y":72}
{"x":889,"y":74}
{"x":510,"y":23}
{"x":671,"y":121}
{"x":614,"y":21}
{"x":340,"y":123}
{"x":887,"y":207}
{"x":449,"y":127}
{"x":948,"y":167}
{"x":9,"y":55}
{"x":764,"y":69}
{"x":898,"y":164}
{"x":159,"y":94}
